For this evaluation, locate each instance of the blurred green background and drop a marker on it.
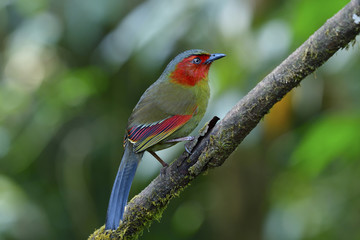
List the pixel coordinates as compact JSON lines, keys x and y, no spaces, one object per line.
{"x":71,"y":72}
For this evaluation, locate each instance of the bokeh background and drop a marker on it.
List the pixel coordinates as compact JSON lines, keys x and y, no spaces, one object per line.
{"x":71,"y":71}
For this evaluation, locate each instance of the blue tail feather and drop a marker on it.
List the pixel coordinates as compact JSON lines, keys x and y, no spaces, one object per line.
{"x":121,"y":187}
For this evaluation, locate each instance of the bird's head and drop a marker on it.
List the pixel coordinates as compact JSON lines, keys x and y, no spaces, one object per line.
{"x":192,"y":66}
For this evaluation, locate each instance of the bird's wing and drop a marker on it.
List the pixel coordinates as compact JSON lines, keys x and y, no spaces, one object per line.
{"x":144,"y":136}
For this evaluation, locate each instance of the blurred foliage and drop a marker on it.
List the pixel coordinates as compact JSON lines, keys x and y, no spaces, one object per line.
{"x":71,"y":72}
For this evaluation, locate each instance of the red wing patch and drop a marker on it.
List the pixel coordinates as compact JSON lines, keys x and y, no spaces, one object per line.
{"x":146,"y":135}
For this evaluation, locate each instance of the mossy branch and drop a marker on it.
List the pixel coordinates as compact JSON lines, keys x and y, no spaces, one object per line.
{"x":218,"y":141}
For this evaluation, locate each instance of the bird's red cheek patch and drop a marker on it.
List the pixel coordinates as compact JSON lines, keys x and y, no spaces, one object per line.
{"x":188,"y":73}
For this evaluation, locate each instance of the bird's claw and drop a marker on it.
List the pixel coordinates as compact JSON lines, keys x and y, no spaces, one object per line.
{"x":187,"y":150}
{"x":163,"y":171}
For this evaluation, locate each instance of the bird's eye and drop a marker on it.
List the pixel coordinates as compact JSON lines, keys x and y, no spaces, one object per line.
{"x":196,"y":60}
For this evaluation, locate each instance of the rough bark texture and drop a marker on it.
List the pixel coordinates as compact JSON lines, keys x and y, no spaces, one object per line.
{"x":217,"y":141}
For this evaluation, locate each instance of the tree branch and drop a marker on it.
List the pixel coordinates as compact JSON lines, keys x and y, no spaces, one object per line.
{"x":217,"y":142}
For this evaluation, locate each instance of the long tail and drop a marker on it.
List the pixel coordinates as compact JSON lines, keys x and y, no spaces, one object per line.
{"x":121,"y":187}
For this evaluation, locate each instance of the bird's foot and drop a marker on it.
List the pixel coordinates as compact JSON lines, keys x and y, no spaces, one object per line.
{"x":163,"y":171}
{"x":187,"y":150}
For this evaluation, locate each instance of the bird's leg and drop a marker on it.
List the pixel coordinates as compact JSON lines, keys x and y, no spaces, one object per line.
{"x":164,"y":164}
{"x":182,"y":139}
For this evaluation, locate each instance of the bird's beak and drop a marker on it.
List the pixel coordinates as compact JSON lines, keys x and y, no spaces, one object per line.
{"x":214,"y":56}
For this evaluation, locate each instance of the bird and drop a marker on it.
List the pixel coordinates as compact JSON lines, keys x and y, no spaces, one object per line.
{"x":167,"y":112}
